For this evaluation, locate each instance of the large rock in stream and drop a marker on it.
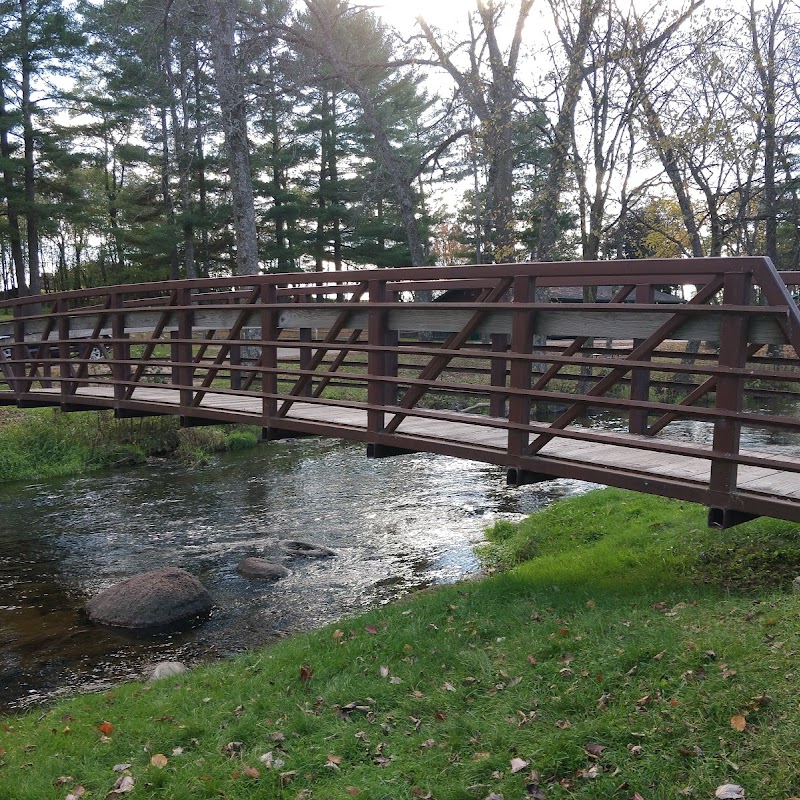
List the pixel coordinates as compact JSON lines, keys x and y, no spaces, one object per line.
{"x":157,"y":599}
{"x":253,"y":567}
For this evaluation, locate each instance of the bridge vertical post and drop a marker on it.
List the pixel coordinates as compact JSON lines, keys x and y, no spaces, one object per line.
{"x":120,"y":348}
{"x":306,"y":337}
{"x":269,"y":355}
{"x":522,"y":331}
{"x":729,"y":395}
{"x":392,"y":361}
{"x":18,"y":351}
{"x":184,"y":348}
{"x":377,"y":336}
{"x":498,"y":372}
{"x":65,"y":373}
{"x":235,"y":360}
{"x":640,"y":378}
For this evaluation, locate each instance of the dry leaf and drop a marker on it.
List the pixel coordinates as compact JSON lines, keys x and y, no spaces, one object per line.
{"x":251,"y":772}
{"x":738,"y":723}
{"x":306,"y":673}
{"x":106,"y":728}
{"x":338,"y":635}
{"x":123,"y":785}
{"x":351,"y":790}
{"x":371,"y":629}
{"x":384,"y":672}
{"x":518,"y":764}
{"x":76,"y":793}
{"x":159,"y":760}
{"x":729,"y":791}
{"x":232,"y":749}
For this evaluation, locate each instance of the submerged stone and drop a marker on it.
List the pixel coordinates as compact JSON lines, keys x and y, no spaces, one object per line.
{"x":156,"y":599}
{"x":261,"y":568}
{"x":293,"y":547}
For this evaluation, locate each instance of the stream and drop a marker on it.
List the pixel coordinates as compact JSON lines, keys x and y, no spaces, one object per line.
{"x":396,"y":524}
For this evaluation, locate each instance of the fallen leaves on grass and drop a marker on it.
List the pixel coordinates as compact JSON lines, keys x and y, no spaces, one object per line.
{"x":729,"y":791}
{"x":738,"y":722}
{"x":159,"y":760}
{"x":518,"y":764}
{"x":122,"y":785}
{"x":269,"y":761}
{"x":106,"y":728}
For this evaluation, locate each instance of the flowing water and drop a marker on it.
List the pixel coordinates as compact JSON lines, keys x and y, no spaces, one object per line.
{"x":396,"y":524}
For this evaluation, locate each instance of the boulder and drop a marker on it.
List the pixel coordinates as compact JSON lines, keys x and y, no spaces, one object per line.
{"x":167,"y":669}
{"x":156,"y":599}
{"x":261,"y":568}
{"x":293,"y":547}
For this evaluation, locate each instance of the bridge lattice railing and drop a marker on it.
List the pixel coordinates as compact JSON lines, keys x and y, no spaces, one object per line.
{"x":542,"y":353}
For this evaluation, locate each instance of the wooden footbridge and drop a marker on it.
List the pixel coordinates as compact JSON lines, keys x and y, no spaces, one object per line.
{"x":516,"y":365}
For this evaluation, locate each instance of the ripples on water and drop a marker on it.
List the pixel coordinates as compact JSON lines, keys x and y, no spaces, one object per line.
{"x":397,"y":524}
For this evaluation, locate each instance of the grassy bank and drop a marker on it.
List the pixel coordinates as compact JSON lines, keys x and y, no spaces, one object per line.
{"x":624,"y":659}
{"x":46,"y":443}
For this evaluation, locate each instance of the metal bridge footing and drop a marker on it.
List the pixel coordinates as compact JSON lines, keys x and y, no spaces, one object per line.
{"x":722,"y":518}
{"x":522,"y":477}
{"x":386,"y":451}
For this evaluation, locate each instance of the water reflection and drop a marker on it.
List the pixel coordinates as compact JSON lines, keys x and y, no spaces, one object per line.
{"x":396,"y":524}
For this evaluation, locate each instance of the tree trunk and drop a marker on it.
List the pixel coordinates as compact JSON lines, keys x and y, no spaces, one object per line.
{"x":11,"y":193}
{"x":222,"y":24}
{"x":548,"y":232}
{"x":31,"y":211}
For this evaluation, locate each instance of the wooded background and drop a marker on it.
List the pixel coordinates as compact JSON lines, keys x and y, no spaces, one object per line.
{"x":169,"y":138}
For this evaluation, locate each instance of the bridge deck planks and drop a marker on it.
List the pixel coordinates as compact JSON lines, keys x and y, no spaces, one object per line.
{"x":758,"y":480}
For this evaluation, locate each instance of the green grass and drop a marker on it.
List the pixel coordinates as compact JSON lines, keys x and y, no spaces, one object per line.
{"x":613,"y":662}
{"x":46,"y":443}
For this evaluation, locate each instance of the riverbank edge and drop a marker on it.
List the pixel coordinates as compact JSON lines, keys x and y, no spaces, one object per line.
{"x":616,"y":659}
{"x":39,"y":444}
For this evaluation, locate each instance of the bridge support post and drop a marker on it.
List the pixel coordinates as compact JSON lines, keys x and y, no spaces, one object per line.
{"x":723,"y":518}
{"x":522,"y":330}
{"x":377,"y":336}
{"x":19,"y":352}
{"x":184,"y":347}
{"x":269,"y":355}
{"x":120,"y":349}
{"x":732,"y":353}
{"x":498,"y":375}
{"x":64,"y":366}
{"x":522,"y":477}
{"x":640,"y":378}
{"x":386,"y":451}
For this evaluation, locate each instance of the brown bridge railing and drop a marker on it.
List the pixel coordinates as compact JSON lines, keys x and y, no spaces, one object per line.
{"x":583,"y":370}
